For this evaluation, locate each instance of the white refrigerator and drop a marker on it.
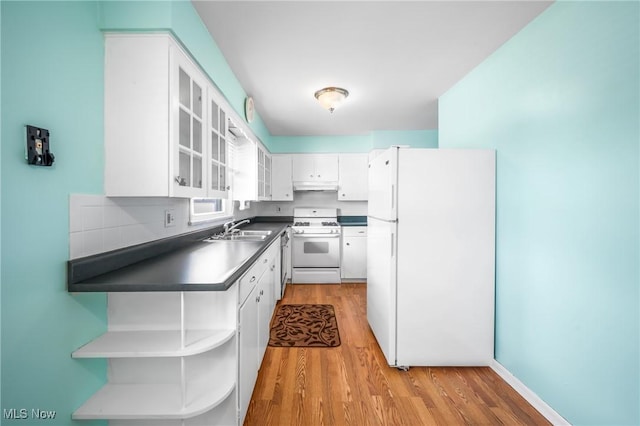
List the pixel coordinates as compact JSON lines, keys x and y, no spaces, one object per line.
{"x":430,"y":256}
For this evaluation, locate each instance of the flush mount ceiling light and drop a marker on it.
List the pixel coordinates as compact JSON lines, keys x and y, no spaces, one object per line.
{"x":331,"y":97}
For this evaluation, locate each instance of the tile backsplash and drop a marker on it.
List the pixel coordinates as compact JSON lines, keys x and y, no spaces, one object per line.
{"x":98,"y":224}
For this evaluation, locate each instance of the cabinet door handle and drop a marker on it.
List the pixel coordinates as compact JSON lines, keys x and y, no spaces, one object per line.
{"x":261,"y":292}
{"x":253,"y":278}
{"x":348,"y":244}
{"x":258,"y":299}
{"x":310,"y":175}
{"x":265,"y":261}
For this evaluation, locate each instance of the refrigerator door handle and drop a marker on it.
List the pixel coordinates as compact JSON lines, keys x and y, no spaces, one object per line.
{"x":393,"y":196}
{"x":392,"y":239}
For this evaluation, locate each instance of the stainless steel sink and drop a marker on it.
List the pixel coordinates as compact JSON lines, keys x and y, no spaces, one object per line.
{"x":254,"y":232}
{"x":248,"y":235}
{"x":241,"y":237}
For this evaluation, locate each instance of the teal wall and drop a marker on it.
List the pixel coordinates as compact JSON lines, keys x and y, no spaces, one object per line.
{"x":560,"y":104}
{"x":52,"y":77}
{"x":360,"y":143}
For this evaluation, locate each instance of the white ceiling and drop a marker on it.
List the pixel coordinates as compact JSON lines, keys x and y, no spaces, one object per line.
{"x":394,"y":57}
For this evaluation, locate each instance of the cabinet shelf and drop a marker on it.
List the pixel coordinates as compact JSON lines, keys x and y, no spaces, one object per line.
{"x":153,"y":401}
{"x":153,"y":343}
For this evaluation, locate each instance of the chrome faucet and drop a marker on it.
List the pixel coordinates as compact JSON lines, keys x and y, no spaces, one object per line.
{"x":230,"y":226}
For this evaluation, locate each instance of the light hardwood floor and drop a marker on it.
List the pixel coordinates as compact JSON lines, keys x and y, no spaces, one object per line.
{"x":353,"y":385}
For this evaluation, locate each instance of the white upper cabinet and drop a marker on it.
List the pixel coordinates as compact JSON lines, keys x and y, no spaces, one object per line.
{"x":252,"y":170}
{"x":189,"y":129}
{"x":354,"y":172}
{"x":268,"y":173}
{"x":315,"y":168}
{"x":159,"y":123}
{"x":264,"y":174}
{"x":282,"y":185}
{"x":304,"y":167}
{"x":218,"y":167}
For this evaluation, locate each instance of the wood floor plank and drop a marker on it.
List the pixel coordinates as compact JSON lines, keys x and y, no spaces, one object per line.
{"x":352,"y":385}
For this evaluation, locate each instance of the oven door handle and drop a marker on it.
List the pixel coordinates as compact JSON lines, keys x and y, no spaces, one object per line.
{"x":316,"y":235}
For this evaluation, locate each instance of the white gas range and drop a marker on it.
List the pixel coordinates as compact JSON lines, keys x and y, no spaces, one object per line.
{"x":316,"y":246}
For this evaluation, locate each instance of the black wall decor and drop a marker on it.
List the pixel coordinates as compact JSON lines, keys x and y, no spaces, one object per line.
{"x":38,"y":152}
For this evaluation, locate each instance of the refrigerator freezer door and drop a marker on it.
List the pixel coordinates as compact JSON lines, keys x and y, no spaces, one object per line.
{"x":383,"y":188}
{"x":381,"y":284}
{"x":446,"y":234}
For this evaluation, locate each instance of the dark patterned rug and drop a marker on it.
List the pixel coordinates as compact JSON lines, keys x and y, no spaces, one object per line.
{"x":304,"y":325}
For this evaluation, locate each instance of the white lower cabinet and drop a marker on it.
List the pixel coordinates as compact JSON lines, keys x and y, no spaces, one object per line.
{"x":254,"y":315}
{"x":171,"y":358}
{"x":248,"y":351}
{"x":266,"y":304}
{"x":184,"y":358}
{"x":354,"y":253}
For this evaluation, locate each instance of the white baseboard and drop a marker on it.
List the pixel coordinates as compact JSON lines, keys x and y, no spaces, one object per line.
{"x":533,"y":399}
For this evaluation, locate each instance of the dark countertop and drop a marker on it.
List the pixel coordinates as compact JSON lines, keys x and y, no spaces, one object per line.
{"x":352,"y":220}
{"x":196,"y":266}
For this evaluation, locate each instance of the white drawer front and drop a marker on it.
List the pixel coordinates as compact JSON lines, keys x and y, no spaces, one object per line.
{"x":354,"y":231}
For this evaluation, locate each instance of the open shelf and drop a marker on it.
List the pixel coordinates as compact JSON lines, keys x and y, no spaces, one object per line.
{"x":153,"y":401}
{"x":153,"y":343}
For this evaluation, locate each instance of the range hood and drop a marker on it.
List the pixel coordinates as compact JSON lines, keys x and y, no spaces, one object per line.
{"x":315,"y":186}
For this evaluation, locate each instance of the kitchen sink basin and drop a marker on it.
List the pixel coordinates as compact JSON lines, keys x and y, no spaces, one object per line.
{"x":241,"y":237}
{"x":248,"y":235}
{"x":253,"y":233}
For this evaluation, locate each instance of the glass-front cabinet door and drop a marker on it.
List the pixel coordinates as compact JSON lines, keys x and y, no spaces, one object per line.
{"x":261,"y":168}
{"x":267,"y":176}
{"x":219,"y":151}
{"x":189,"y":162}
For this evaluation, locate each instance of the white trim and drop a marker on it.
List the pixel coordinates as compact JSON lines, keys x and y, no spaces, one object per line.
{"x":217,"y":216}
{"x":531,"y":397}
